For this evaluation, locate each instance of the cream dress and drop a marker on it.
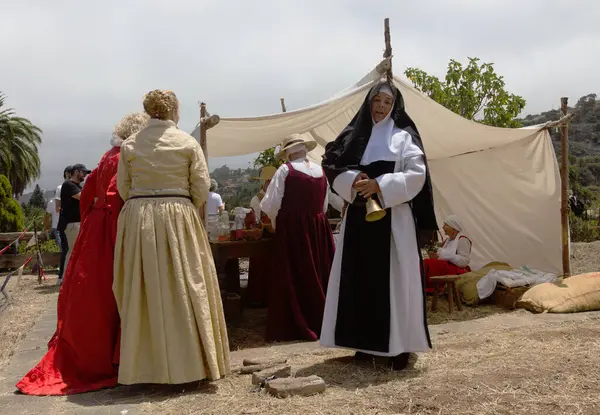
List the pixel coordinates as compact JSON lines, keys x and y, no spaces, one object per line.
{"x":165,"y":284}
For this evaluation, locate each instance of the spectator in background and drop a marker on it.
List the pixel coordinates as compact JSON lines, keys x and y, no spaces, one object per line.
{"x":214,"y":204}
{"x":70,"y":218}
{"x":51,"y":219}
{"x":66,"y":176}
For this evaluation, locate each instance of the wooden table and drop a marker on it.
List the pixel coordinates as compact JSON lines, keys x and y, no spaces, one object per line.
{"x":452,"y":292}
{"x":226,"y":255}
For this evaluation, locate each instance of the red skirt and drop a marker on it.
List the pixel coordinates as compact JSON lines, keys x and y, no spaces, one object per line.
{"x":438,"y":268}
{"x":83,"y":354}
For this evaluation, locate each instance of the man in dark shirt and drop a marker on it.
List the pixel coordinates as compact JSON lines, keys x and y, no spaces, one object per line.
{"x":69,"y":220}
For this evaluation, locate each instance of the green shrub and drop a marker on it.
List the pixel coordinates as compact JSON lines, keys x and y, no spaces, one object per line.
{"x":11,"y":215}
{"x":46,"y":246}
{"x":33,"y":214}
{"x":583,"y":230}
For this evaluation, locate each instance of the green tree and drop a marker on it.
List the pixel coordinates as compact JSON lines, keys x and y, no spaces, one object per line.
{"x":473,"y":91}
{"x":37,"y":198}
{"x":11,"y":215}
{"x":33,"y":214}
{"x":267,"y":158}
{"x":19,"y":141}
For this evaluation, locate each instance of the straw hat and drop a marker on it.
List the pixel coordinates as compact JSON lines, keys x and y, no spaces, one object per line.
{"x":293,"y":140}
{"x":266,"y":173}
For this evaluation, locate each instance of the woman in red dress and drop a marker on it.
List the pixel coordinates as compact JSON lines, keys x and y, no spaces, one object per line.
{"x":83,"y":352}
{"x":296,"y":202}
{"x":453,"y":258}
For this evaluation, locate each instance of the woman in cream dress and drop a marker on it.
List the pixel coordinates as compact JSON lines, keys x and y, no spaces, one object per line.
{"x":172,"y":324}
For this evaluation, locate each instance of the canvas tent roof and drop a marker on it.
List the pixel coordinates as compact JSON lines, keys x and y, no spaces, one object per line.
{"x":504,"y":183}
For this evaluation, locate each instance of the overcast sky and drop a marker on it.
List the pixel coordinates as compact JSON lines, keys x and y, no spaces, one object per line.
{"x":76,"y":67}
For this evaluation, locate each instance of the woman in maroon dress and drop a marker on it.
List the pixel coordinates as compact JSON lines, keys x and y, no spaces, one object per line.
{"x":83,"y":353}
{"x":296,"y":202}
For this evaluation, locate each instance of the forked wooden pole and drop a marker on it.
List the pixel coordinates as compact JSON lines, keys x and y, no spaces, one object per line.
{"x":564,"y":205}
{"x":388,"y":47}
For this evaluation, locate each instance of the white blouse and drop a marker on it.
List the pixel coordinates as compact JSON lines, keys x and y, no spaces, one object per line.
{"x":271,"y":203}
{"x":456,"y":251}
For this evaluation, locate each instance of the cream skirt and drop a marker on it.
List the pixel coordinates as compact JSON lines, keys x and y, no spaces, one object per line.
{"x":172,"y":324}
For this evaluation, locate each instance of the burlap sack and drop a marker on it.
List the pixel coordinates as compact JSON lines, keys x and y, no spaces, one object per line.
{"x":467,"y":283}
{"x":571,"y":295}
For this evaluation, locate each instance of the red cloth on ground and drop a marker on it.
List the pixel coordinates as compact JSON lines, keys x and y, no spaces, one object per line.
{"x":303,"y":262}
{"x":83,"y":353}
{"x":438,"y":268}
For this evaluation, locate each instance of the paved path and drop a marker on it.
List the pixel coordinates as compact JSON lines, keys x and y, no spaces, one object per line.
{"x":123,"y":401}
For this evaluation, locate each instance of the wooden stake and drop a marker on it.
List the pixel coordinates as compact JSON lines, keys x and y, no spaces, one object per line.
{"x":39,"y":254}
{"x":564,"y":208}
{"x":203,"y":131}
{"x":204,"y":150}
{"x":282,"y":104}
{"x":388,"y":46}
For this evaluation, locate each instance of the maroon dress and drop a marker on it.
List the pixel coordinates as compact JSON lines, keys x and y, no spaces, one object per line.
{"x":303,"y":263}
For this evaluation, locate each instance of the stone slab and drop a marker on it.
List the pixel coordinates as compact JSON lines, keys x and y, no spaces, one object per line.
{"x":304,"y":386}
{"x":279,"y":371}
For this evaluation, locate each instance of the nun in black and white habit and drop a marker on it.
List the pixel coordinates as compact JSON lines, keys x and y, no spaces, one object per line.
{"x":375,"y":298}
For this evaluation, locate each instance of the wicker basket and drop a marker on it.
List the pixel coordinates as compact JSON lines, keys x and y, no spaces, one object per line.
{"x":507,"y":297}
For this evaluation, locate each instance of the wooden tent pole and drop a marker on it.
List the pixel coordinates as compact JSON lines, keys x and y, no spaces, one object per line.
{"x":203,"y":131}
{"x":388,"y":46}
{"x":204,"y":150}
{"x":282,"y":104}
{"x":564,"y":172}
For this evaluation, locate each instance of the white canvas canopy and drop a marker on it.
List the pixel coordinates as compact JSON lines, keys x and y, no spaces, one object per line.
{"x":504,"y":183}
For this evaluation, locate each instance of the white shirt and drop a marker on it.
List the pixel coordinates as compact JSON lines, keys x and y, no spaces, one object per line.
{"x":271,"y":203}
{"x":456,"y":251}
{"x":214,"y":203}
{"x":51,"y":209}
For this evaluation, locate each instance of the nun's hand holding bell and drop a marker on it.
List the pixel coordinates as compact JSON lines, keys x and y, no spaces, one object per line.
{"x":360,"y":176}
{"x":367,"y":187}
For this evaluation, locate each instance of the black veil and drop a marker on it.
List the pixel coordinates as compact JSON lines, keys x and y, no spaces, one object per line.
{"x":347,"y":150}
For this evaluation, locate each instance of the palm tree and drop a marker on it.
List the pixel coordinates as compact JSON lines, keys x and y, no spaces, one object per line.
{"x":19,"y":141}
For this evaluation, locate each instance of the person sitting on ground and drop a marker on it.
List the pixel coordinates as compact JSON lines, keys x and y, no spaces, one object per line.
{"x":453,"y":257}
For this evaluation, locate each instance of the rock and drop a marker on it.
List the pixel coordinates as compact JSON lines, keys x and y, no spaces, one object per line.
{"x":245,"y":370}
{"x":307,"y":386}
{"x":280,"y":371}
{"x":263,"y":361}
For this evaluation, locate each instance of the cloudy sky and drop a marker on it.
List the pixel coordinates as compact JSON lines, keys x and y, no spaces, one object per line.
{"x":76,"y":67}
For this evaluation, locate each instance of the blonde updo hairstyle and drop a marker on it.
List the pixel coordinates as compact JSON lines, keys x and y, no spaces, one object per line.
{"x":130,"y":124}
{"x":162,"y":105}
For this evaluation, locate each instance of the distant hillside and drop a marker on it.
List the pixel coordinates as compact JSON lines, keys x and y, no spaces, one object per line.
{"x":584,"y":145}
{"x":584,"y":132}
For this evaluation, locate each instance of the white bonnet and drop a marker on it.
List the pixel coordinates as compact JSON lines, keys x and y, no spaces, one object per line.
{"x":454,"y":222}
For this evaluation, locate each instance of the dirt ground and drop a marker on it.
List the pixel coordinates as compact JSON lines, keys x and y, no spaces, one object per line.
{"x":552,"y":370}
{"x":27,"y":300}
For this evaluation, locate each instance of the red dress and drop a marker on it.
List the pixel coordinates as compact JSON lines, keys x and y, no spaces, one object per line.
{"x":303,"y":263}
{"x":440,"y":267}
{"x":83,"y":353}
